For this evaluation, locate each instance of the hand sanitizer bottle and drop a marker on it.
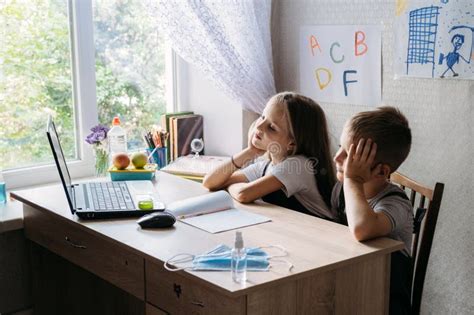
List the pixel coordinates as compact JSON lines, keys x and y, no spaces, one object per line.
{"x":239,"y":260}
{"x":3,"y":189}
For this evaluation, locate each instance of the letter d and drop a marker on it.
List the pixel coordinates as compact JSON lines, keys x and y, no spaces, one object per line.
{"x":323,"y":85}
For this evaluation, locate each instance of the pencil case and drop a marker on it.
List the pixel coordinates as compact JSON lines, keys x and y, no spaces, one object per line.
{"x":131,"y":173}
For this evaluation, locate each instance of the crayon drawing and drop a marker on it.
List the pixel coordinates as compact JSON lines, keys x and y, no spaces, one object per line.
{"x":434,"y":39}
{"x":341,"y":63}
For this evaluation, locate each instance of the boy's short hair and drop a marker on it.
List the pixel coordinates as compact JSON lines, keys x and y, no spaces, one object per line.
{"x":387,"y":127}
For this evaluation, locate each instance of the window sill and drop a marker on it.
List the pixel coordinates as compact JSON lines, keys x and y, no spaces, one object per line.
{"x":11,"y":216}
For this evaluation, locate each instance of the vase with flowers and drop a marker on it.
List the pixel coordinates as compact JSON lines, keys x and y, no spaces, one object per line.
{"x":98,"y":140}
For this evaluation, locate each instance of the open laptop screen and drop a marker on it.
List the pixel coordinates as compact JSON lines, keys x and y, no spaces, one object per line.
{"x":59,"y":159}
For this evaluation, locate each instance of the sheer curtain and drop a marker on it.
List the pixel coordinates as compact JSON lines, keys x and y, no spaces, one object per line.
{"x":229,"y":40}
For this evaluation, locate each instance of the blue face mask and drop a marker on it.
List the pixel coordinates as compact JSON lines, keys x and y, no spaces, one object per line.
{"x":219,"y":259}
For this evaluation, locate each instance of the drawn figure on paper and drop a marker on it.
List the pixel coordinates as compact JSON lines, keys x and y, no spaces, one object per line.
{"x":423,"y":28}
{"x":453,"y":57}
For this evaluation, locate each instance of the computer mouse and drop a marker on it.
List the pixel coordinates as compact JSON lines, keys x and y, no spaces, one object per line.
{"x":161,"y":219}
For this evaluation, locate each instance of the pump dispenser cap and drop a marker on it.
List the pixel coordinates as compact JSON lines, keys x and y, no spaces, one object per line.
{"x":116,"y":121}
{"x":239,"y":242}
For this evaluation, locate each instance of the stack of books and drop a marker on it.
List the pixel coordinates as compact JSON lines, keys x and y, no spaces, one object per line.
{"x":194,"y":167}
{"x":183,"y":127}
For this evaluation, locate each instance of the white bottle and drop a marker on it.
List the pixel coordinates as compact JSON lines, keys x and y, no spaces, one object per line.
{"x":117,"y":138}
{"x":239,"y":260}
{"x":3,"y":189}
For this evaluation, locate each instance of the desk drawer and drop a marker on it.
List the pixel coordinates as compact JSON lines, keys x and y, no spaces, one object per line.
{"x":179,"y":295}
{"x":70,"y":240}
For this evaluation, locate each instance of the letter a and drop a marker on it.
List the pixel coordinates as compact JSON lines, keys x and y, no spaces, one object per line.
{"x":313,"y":43}
{"x":323,"y":85}
{"x":359,"y":42}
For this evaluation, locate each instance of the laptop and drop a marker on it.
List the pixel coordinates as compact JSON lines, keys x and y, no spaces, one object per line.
{"x":99,"y":200}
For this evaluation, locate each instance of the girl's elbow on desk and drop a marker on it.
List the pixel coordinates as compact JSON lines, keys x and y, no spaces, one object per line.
{"x":210,"y":183}
{"x":243,"y":198}
{"x":240,"y":193}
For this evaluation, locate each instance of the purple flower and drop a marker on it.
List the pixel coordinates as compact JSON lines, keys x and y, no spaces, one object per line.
{"x":99,"y":133}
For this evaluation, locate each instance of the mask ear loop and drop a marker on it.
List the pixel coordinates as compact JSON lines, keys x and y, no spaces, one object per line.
{"x":281,"y":248}
{"x":170,"y":263}
{"x":284,"y":254}
{"x":289,"y":264}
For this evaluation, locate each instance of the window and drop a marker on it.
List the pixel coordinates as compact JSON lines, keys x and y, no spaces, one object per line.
{"x":130,"y":66}
{"x":82,"y":62}
{"x":35,"y":81}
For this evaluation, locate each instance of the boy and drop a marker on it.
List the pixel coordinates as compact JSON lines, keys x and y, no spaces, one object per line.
{"x":373,"y":145}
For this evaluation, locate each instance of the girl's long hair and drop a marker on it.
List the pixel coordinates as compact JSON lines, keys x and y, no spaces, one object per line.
{"x":309,"y":129}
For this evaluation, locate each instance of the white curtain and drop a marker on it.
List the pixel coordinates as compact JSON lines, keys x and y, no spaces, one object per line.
{"x":229,"y":40}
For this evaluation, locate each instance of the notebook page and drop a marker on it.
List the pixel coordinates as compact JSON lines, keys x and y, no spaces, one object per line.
{"x":225,"y":220}
{"x":207,"y":203}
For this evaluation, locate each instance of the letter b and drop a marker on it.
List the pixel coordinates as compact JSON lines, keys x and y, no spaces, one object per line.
{"x":359,"y":40}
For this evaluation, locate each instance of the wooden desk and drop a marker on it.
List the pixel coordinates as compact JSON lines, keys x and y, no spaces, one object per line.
{"x":332,"y":272}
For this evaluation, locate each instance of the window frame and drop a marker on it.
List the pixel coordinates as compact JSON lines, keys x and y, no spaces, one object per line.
{"x":81,"y":34}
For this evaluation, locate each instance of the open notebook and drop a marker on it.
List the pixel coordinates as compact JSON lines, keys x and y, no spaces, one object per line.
{"x":214,"y":213}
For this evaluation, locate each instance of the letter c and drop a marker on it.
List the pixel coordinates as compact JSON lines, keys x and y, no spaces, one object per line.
{"x":332,"y":57}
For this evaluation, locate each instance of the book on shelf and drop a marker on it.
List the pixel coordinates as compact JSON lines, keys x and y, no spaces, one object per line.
{"x":185,"y":129}
{"x":214,"y":212}
{"x":165,"y":124}
{"x":195,"y":166}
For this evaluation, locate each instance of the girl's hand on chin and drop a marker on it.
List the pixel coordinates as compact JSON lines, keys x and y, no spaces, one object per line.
{"x":255,"y":150}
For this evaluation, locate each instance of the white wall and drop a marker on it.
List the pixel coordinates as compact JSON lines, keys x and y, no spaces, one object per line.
{"x":441,"y":116}
{"x":222,"y":116}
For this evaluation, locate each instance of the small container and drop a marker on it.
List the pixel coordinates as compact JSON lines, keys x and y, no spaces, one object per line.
{"x":145,"y":202}
{"x":158,"y":157}
{"x":3,"y":189}
{"x":131,"y":173}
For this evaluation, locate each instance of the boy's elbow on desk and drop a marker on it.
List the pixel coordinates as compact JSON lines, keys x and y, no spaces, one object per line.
{"x":359,"y":233}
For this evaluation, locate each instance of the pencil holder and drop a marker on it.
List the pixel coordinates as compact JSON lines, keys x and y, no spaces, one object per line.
{"x":158,"y":157}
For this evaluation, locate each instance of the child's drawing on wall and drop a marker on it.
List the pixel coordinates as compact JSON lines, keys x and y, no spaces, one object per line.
{"x":453,"y":57}
{"x":434,"y":39}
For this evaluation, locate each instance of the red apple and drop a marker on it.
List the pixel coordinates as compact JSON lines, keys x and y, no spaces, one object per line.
{"x":121,"y":161}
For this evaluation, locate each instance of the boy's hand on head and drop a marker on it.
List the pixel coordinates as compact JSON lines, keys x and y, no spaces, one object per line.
{"x":360,"y":160}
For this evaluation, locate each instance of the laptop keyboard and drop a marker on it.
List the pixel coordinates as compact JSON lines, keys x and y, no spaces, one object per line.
{"x":111,"y":196}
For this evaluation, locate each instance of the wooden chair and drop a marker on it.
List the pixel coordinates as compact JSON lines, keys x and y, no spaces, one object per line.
{"x":425,"y":218}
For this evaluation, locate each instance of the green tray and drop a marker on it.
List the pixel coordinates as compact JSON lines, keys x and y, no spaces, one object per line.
{"x":131,"y":173}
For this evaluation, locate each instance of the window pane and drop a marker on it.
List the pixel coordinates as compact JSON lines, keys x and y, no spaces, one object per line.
{"x":130,"y":67}
{"x":35,"y":81}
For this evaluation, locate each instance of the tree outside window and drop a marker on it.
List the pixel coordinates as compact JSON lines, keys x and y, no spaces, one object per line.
{"x":36,"y":76}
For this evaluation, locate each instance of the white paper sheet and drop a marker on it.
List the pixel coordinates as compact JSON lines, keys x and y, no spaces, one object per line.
{"x":341,"y":63}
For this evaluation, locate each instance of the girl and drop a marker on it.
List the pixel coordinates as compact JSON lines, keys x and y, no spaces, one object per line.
{"x":294,"y":170}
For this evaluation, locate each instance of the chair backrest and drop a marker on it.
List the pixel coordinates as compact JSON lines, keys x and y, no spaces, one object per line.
{"x":424,"y":228}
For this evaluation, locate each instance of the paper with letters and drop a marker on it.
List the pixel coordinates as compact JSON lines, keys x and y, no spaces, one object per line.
{"x":214,"y":213}
{"x":341,"y":63}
